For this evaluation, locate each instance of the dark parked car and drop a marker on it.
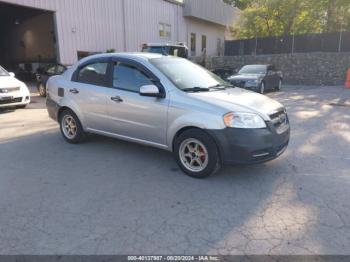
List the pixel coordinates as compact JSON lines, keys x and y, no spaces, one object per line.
{"x":224,"y":73}
{"x":258,"y":78}
{"x":44,"y":73}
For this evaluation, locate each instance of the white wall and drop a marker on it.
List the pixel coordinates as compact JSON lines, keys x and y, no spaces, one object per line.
{"x":97,"y":25}
{"x":142,"y":22}
{"x":212,"y":31}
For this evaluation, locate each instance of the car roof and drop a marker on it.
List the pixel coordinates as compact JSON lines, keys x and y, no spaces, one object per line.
{"x":259,"y":65}
{"x":134,"y":56}
{"x":164,"y":44}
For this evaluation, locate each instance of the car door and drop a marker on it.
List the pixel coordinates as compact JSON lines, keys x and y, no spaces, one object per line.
{"x":273,"y":77}
{"x":133,"y":116}
{"x":88,"y":93}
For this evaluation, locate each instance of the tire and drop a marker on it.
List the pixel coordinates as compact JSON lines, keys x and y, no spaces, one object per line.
{"x":196,"y":153}
{"x":42,"y":90}
{"x":262,"y":88}
{"x":279,"y":87}
{"x":21,"y":106}
{"x":71,"y":127}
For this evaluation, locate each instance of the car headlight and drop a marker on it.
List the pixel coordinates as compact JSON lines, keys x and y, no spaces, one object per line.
{"x":243,"y":120}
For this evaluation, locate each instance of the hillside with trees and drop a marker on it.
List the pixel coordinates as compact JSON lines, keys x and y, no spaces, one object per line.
{"x":263,"y":18}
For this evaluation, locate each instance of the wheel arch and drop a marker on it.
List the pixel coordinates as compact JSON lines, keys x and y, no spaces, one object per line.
{"x":210,"y":134}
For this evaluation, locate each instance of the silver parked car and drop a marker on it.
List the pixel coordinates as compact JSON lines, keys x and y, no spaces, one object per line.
{"x":169,"y":103}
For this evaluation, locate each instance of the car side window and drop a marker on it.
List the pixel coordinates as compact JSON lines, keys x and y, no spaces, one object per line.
{"x":94,"y":74}
{"x":129,"y":78}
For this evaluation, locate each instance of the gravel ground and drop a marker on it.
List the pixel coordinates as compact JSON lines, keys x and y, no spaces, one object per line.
{"x":112,"y":197}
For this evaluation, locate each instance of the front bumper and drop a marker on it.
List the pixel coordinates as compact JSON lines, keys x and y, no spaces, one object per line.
{"x":14,"y":100}
{"x":250,"y":146}
{"x":246,"y":84}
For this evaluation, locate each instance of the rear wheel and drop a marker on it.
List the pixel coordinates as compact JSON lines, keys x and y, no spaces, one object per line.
{"x":262,"y":88}
{"x":196,"y":153}
{"x":42,"y":89}
{"x":71,"y":127}
{"x":279,"y":87}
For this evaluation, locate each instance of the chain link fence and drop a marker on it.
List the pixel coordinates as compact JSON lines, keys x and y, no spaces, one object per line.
{"x":327,"y":42}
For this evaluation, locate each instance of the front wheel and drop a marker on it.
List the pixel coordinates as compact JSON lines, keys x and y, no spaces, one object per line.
{"x":196,"y":153}
{"x":42,"y":89}
{"x":71,"y":127}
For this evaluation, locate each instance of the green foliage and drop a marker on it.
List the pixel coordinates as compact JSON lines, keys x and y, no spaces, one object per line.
{"x":279,"y":17}
{"x":111,"y":50}
{"x":241,"y":4}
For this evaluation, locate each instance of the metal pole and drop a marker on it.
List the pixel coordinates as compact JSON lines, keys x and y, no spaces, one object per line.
{"x":256,"y":44}
{"x":340,"y":38}
{"x":293,"y":39}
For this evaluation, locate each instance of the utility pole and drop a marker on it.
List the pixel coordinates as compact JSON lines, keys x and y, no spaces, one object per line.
{"x":340,"y":37}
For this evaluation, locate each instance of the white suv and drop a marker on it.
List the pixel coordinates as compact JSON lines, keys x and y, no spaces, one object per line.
{"x":169,"y":103}
{"x":12,"y":91}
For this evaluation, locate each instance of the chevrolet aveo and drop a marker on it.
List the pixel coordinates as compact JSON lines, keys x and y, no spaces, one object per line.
{"x":169,"y":103}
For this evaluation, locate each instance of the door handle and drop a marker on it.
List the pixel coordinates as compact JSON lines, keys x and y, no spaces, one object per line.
{"x":74,"y":91}
{"x":116,"y":99}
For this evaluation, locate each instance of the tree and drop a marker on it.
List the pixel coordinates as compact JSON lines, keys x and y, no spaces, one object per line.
{"x":241,"y":4}
{"x":264,"y":18}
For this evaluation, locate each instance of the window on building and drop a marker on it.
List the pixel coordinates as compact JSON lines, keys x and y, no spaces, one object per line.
{"x":129,"y":78}
{"x":204,"y":42}
{"x":164,"y":30}
{"x":94,"y":74}
{"x":193,"y":44}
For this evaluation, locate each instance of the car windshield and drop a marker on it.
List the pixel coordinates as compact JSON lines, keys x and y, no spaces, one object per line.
{"x":188,"y":76}
{"x":253,"y":69}
{"x":154,"y":49}
{"x":3,"y":72}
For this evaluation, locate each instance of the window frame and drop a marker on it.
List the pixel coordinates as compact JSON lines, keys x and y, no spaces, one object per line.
{"x":194,"y":46}
{"x":132,"y":63}
{"x":164,"y":27}
{"x":109,"y":82}
{"x":204,"y":42}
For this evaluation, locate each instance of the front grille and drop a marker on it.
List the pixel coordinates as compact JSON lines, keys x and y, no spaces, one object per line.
{"x":279,"y":120}
{"x":9,"y":90}
{"x":10,"y":100}
{"x":238,"y":83}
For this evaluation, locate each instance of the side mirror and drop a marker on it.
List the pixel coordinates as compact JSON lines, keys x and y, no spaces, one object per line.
{"x":150,"y":90}
{"x":12,"y":74}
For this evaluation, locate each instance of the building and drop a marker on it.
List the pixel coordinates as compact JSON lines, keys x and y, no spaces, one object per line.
{"x":65,"y":30}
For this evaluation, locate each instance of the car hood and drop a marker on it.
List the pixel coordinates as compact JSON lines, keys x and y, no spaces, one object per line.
{"x":245,"y":77}
{"x":9,"y":81}
{"x":237,"y":99}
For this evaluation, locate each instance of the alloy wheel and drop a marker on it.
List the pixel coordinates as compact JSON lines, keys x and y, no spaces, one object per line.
{"x":193,"y":155}
{"x":69,"y":126}
{"x":42,"y":90}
